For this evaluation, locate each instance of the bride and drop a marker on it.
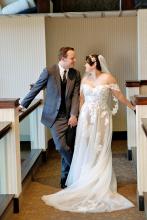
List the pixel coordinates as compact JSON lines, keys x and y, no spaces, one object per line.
{"x":91,"y":183}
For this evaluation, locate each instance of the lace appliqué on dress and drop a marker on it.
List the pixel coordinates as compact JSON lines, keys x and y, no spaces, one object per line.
{"x":104,"y":115}
{"x":115,"y":108}
{"x":92,"y":112}
{"x":90,"y":205}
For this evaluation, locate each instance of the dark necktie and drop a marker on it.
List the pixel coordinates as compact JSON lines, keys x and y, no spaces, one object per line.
{"x":64,"y":77}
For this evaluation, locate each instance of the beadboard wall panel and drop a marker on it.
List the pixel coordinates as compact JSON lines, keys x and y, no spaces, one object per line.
{"x":114,"y":37}
{"x":22,"y":53}
{"x":142,"y":43}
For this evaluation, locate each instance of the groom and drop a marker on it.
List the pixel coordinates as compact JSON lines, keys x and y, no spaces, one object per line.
{"x":61,"y":104}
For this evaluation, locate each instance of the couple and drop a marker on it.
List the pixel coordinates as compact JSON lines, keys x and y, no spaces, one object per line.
{"x":90,"y":180}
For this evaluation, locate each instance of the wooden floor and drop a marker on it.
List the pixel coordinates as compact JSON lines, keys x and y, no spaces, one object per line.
{"x":46,"y":181}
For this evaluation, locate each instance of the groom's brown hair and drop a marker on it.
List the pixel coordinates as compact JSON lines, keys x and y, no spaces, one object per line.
{"x":63,"y":52}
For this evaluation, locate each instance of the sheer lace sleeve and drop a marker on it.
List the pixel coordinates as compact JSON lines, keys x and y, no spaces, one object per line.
{"x":115,"y":87}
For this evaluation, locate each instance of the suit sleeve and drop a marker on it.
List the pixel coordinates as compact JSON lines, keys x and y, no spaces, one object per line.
{"x":38,"y":86}
{"x":75,"y":98}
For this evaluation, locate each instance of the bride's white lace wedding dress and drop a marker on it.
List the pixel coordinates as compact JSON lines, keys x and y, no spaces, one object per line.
{"x":91,"y":181}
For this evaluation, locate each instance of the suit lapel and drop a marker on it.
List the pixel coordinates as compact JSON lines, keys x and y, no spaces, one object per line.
{"x":70,"y":81}
{"x":68,"y":85}
{"x":57,"y":76}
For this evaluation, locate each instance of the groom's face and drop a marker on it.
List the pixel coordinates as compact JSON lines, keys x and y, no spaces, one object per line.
{"x":69,"y":60}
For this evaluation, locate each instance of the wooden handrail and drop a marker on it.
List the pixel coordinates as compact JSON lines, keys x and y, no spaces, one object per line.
{"x":139,"y":100}
{"x":4,"y":128}
{"x":43,"y":6}
{"x":31,"y":108}
{"x":135,"y":83}
{"x":9,"y":102}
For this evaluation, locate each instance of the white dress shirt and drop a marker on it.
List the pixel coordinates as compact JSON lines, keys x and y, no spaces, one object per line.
{"x":61,"y":69}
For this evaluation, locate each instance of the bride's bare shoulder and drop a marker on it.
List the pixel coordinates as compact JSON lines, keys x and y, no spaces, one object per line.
{"x":107,"y":75}
{"x":109,"y":78}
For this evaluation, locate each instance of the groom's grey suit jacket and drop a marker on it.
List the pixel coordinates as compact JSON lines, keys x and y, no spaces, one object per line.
{"x":50,"y":78}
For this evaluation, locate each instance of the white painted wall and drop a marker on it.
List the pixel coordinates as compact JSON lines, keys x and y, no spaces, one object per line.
{"x":22,"y":53}
{"x":142,"y":44}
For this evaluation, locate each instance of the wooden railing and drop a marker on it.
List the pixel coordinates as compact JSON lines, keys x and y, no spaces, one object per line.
{"x":137,"y":141}
{"x":144,"y":127}
{"x":43,"y":6}
{"x":141,"y":147}
{"x":17,"y":168}
{"x":85,"y":5}
{"x":5,"y":198}
{"x":4,"y":128}
{"x":136,"y":87}
{"x":32,"y":107}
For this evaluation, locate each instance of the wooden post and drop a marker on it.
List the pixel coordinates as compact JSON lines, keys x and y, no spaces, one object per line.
{"x":141,"y":141}
{"x":132,"y":88}
{"x":9,"y":112}
{"x":43,"y":6}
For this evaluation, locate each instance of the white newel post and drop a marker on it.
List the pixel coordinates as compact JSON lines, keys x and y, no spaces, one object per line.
{"x":3,"y":168}
{"x":141,"y":142}
{"x":9,"y":112}
{"x":132,"y":88}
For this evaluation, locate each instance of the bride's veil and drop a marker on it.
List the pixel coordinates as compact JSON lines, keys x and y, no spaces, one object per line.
{"x":112,"y":101}
{"x":104,"y":66}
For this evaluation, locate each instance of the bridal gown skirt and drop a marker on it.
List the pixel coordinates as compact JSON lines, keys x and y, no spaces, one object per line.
{"x":91,"y":181}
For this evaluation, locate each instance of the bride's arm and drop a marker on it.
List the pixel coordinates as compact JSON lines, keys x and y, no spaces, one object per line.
{"x":118,"y":94}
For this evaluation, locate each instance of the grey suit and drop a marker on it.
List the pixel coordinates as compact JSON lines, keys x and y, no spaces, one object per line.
{"x":50,"y":78}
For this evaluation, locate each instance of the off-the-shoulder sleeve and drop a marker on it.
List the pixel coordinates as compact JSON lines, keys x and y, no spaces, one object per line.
{"x":114,"y":86}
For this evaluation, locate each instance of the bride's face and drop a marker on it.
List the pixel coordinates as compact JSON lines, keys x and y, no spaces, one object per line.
{"x":89,"y":68}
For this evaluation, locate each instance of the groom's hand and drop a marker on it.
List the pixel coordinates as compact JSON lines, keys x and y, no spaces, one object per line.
{"x":21,"y":108}
{"x":72,"y":121}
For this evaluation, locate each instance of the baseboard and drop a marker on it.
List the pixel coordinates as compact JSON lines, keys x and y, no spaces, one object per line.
{"x":119,"y":135}
{"x":145,"y":203}
{"x":25,"y":145}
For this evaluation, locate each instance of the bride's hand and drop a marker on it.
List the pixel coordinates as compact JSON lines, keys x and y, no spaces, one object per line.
{"x":72,"y":121}
{"x":133,"y":108}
